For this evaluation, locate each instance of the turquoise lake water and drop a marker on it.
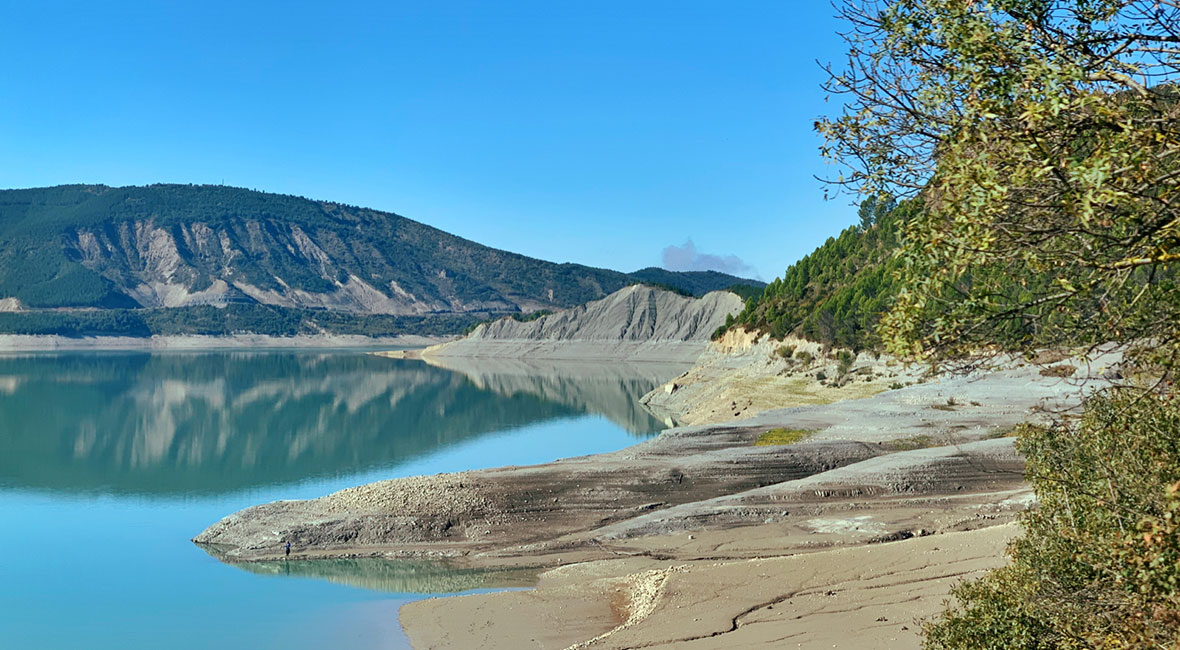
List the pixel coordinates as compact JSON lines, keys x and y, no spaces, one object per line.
{"x":111,"y":462}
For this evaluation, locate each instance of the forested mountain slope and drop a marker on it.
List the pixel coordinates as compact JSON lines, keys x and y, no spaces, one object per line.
{"x":183,"y":245}
{"x":836,"y":294}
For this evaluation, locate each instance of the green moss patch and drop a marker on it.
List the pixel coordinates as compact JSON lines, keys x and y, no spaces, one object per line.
{"x":782,"y":436}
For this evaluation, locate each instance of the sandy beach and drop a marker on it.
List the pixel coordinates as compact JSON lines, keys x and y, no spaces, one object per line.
{"x":872,"y":596}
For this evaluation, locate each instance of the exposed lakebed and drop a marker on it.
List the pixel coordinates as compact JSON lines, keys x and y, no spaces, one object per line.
{"x":110,"y":462}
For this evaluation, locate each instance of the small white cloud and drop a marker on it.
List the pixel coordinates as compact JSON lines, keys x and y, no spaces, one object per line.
{"x":687,"y":258}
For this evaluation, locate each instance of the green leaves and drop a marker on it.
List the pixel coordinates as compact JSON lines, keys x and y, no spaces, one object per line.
{"x":1099,"y":565}
{"x":1041,"y":154}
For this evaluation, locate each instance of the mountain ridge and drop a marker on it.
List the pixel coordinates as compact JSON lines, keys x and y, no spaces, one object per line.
{"x":172,"y":246}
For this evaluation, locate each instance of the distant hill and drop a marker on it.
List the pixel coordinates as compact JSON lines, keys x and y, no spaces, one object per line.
{"x":696,"y":283}
{"x":164,"y":247}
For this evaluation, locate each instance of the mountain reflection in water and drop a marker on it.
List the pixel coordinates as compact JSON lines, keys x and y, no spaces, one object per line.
{"x":184,"y":423}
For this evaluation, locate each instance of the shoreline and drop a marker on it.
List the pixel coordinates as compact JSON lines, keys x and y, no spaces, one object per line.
{"x":905,"y":458}
{"x":414,"y":354}
{"x":48,"y":343}
{"x":924,"y":461}
{"x":574,"y":350}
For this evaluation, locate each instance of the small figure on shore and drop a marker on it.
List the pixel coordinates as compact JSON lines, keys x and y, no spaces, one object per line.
{"x":288,"y":549}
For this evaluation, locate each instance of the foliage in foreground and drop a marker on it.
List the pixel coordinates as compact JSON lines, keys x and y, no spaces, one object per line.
{"x":1099,"y":564}
{"x":1042,"y":137}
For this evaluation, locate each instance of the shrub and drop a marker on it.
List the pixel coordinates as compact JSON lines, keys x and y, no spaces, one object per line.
{"x":804,"y":357}
{"x":1099,"y":565}
{"x":786,"y":351}
{"x":844,"y":361}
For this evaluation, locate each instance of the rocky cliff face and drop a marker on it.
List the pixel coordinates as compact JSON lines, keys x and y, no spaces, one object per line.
{"x":199,"y":263}
{"x":636,"y":323}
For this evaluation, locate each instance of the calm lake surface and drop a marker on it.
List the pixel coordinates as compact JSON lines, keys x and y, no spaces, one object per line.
{"x":110,"y":463}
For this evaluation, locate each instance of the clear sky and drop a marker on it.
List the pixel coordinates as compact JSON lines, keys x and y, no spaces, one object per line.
{"x":586,"y":131}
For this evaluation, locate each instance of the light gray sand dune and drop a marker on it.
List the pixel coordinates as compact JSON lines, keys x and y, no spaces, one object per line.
{"x":637,"y":323}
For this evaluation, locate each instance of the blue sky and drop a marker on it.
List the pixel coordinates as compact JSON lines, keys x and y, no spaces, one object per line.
{"x":591,"y":132}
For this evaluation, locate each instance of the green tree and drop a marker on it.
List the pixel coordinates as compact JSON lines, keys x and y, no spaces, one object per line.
{"x":873,"y":208}
{"x":1043,"y":138}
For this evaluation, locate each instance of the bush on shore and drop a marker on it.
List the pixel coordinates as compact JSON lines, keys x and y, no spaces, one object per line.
{"x":1099,"y":564}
